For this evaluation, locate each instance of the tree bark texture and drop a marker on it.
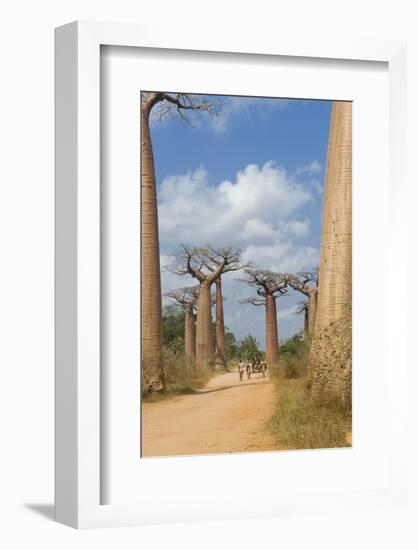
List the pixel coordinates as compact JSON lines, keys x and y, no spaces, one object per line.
{"x":189,"y":333}
{"x":312,"y":309}
{"x":330,"y":364}
{"x":271,"y":339}
{"x":220,"y":350}
{"x":204,"y":342}
{"x":151,"y":300}
{"x":305,"y":331}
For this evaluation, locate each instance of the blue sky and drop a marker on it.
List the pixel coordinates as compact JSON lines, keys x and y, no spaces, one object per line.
{"x":250,"y":177}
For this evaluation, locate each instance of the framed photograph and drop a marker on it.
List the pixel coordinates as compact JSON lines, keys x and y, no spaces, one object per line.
{"x":228,"y":214}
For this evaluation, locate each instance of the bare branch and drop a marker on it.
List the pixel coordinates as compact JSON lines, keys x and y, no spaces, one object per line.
{"x":301,"y":280}
{"x":187,"y":262}
{"x":253,"y":301}
{"x":165,"y":104}
{"x":266,"y":282}
{"x":302,"y":307}
{"x":207,"y":263}
{"x":185,"y":297}
{"x":308,"y":276}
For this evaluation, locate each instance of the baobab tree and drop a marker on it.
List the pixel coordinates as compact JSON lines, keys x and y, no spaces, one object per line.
{"x":220,"y":354}
{"x":187,"y":298}
{"x":206,"y":265}
{"x":269,"y":286}
{"x":164,"y":105}
{"x":330,"y":361}
{"x":301,"y":282}
{"x":302,"y":307}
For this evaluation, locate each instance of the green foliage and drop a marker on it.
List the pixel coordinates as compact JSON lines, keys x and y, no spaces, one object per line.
{"x":294,"y":346}
{"x":293,"y":357}
{"x":173,"y":326}
{"x":176,"y":346}
{"x":230,"y":344}
{"x":248,"y":348}
{"x":181,"y":373}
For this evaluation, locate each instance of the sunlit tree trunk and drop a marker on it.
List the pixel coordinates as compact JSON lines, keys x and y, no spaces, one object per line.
{"x":271,"y":338}
{"x":330,"y":355}
{"x":204,"y":342}
{"x":220,"y":351}
{"x":151,"y":301}
{"x":189,"y":333}
{"x":312,"y":309}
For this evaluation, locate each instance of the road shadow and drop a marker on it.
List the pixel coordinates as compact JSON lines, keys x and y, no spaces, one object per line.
{"x":45,"y":510}
{"x":221,"y":388}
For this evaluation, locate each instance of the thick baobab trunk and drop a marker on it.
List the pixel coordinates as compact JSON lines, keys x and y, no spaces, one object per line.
{"x":312,"y":309}
{"x":220,"y":352}
{"x":305,"y":331}
{"x":335,"y":284}
{"x":189,"y":333}
{"x":204,"y":342}
{"x":330,"y":356}
{"x":151,"y":301}
{"x":271,"y":339}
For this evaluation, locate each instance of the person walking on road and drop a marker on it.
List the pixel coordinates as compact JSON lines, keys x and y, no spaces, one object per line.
{"x":241,"y":370}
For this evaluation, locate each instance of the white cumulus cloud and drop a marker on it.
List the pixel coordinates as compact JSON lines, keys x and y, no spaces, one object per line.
{"x":312,"y":169}
{"x":259,"y":212}
{"x":257,"y":205}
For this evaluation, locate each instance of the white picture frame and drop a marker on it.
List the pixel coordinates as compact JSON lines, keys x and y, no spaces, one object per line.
{"x":78,"y":406}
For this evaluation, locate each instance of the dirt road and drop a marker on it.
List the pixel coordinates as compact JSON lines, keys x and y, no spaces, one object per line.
{"x":225,"y":416}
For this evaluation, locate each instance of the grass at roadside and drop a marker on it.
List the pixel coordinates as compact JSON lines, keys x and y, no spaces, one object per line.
{"x":182,"y":376}
{"x":299,"y":422}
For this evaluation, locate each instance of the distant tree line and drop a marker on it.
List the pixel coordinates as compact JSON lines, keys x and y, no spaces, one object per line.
{"x":174,"y":336}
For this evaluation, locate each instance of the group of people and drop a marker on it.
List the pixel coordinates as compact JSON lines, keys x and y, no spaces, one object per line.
{"x":251,"y":367}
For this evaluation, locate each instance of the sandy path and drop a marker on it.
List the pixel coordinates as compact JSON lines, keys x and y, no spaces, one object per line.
{"x":225,"y":416}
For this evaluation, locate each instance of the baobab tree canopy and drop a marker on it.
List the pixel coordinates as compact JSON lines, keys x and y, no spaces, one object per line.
{"x":265,"y":281}
{"x":303,"y":281}
{"x":184,"y":296}
{"x":306,"y":283}
{"x":206,"y":264}
{"x":268,"y":286}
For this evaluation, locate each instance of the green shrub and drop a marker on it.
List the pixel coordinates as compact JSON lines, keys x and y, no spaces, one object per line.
{"x":293,"y":358}
{"x":182,"y":375}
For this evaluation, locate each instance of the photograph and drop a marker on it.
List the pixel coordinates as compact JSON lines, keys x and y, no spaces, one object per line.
{"x":246,"y":274}
{"x":198,"y":349}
